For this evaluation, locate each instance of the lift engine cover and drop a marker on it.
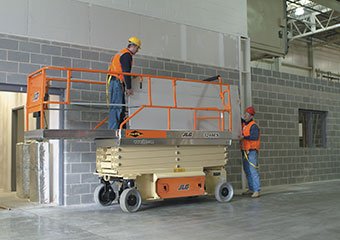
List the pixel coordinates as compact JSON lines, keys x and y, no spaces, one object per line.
{"x":180,"y":187}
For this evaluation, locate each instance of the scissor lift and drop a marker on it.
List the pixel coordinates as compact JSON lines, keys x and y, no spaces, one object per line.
{"x":136,"y":165}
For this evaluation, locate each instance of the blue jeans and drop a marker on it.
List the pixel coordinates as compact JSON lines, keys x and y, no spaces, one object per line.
{"x":252,"y":173}
{"x":116,"y":96}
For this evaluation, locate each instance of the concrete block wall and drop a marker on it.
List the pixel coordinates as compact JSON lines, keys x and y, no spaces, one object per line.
{"x":276,"y":96}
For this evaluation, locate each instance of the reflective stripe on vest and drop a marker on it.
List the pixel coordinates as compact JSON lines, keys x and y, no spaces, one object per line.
{"x":116,"y":66}
{"x":246,"y":143}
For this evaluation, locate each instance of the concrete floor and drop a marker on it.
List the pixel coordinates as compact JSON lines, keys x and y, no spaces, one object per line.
{"x":302,"y":211}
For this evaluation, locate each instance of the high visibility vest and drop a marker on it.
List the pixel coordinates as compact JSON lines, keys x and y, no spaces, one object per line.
{"x":246,"y":143}
{"x":116,"y":66}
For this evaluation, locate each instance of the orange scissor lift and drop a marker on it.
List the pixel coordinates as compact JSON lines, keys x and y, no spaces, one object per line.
{"x":136,"y":165}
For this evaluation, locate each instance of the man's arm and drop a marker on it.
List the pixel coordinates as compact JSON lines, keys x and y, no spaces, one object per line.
{"x":126,"y":63}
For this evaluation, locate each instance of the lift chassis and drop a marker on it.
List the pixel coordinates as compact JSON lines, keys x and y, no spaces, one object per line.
{"x":146,"y":165}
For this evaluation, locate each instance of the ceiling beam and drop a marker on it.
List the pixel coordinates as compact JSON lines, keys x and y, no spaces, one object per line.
{"x":316,"y":31}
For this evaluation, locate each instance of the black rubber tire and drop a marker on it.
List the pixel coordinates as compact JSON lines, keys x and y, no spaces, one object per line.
{"x":130,"y":200}
{"x":104,"y":198}
{"x":224,"y":192}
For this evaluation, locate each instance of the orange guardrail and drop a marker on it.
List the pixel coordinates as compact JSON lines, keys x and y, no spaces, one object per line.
{"x":38,"y":84}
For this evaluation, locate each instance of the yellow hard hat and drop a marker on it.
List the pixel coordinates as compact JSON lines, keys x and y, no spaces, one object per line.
{"x":136,"y":41}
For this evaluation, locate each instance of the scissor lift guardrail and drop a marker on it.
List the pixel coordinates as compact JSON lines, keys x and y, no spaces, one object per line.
{"x":38,"y":84}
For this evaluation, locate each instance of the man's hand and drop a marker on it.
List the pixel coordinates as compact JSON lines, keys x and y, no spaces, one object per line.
{"x":129,"y":92}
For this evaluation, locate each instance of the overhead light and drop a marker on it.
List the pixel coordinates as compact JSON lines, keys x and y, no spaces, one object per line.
{"x":299,"y":11}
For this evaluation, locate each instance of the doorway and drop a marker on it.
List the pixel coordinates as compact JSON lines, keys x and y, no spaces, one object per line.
{"x":18,"y":123}
{"x":12,"y":100}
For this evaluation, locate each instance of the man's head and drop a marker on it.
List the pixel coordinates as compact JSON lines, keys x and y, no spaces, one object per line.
{"x":134,"y":44}
{"x":249,"y":113}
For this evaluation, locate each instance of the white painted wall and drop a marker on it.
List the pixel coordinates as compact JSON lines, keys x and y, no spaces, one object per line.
{"x":62,"y":20}
{"x":225,"y":16}
{"x":187,"y":30}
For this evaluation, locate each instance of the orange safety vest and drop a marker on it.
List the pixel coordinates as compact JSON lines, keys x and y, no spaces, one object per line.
{"x":116,"y":66}
{"x":246,"y":143}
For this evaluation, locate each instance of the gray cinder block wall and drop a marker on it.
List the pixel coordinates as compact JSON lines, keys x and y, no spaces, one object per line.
{"x":276,"y":96}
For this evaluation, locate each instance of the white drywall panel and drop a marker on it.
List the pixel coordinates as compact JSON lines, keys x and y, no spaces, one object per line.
{"x":183,"y":30}
{"x":231,"y":51}
{"x":62,"y":20}
{"x":198,"y":95}
{"x":160,"y":38}
{"x":226,"y":16}
{"x":13,"y":16}
{"x":112,"y":28}
{"x":189,"y":94}
{"x":149,"y":7}
{"x":236,"y":112}
{"x":202,"y":46}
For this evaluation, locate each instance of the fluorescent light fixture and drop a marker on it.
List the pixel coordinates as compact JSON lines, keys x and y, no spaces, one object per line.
{"x":299,"y":11}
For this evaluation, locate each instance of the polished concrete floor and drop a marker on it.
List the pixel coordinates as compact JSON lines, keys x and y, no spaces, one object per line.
{"x":304,"y":211}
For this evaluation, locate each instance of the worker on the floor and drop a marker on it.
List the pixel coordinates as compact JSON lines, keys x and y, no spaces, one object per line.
{"x":250,"y":145}
{"x":117,"y":84}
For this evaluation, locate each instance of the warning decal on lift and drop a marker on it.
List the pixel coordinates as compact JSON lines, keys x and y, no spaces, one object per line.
{"x":135,"y":134}
{"x":145,"y":134}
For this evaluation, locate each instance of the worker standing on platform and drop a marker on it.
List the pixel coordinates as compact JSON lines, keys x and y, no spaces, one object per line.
{"x":117,"y":84}
{"x":250,"y":146}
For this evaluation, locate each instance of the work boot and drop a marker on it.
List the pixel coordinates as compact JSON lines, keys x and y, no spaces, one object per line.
{"x":248,"y":192}
{"x":255,"y":195}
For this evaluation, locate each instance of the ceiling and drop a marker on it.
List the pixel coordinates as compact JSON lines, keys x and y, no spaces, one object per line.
{"x":317,"y":21}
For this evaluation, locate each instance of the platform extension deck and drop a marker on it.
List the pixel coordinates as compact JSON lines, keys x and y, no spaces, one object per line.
{"x":135,"y":137}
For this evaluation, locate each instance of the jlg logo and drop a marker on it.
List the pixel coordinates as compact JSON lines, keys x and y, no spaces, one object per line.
{"x":184,"y":187}
{"x":187,"y":134}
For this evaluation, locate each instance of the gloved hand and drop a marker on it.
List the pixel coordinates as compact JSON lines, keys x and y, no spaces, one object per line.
{"x":129,"y":92}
